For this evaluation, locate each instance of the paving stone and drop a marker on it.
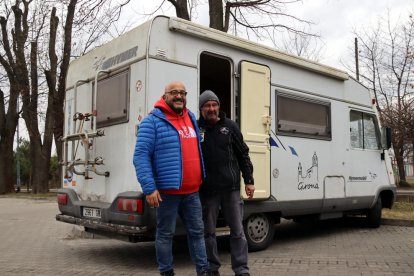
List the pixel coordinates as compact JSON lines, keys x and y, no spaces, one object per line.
{"x":33,"y":243}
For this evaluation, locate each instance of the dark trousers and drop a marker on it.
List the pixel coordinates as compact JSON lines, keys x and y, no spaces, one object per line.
{"x":232,"y":208}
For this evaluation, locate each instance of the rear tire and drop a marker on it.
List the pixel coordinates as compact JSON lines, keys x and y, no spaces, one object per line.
{"x":374,"y":214}
{"x":259,"y":230}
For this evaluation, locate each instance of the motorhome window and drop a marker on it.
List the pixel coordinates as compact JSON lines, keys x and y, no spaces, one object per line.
{"x":111,"y":100}
{"x":303,"y":117}
{"x":364,"y":131}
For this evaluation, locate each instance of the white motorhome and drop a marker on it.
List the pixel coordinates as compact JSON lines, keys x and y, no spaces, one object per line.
{"x":313,"y":132}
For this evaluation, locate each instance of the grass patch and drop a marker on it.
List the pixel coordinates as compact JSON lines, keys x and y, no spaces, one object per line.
{"x":409,"y":183}
{"x":400,"y":210}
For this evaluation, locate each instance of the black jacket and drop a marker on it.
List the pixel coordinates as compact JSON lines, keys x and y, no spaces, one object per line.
{"x":225,"y":155}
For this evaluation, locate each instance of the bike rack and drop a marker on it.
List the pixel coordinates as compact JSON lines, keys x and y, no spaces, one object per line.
{"x":89,"y":162}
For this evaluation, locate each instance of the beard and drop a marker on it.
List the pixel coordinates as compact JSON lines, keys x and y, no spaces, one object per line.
{"x":211,"y":116}
{"x":177,"y":109}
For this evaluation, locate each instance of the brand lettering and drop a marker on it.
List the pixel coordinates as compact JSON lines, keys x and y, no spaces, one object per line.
{"x":357,"y":178}
{"x":303,"y":186}
{"x":112,"y":61}
{"x":187,"y":132}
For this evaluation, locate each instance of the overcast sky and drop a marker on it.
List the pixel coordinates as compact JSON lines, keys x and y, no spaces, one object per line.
{"x":334,"y":20}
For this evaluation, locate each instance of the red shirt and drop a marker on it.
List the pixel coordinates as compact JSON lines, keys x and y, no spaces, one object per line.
{"x":191,"y":164}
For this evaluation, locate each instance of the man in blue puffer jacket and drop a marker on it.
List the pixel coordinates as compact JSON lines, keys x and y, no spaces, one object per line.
{"x":169,"y":168}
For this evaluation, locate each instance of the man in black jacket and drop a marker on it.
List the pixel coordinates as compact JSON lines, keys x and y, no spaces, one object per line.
{"x":225,"y":155}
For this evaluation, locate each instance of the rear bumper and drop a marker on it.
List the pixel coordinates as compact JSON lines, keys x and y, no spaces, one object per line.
{"x":104,"y":227}
{"x":133,"y":226}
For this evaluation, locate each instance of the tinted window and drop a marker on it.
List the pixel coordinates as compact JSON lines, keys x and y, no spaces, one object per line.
{"x":364,"y":131}
{"x":303,"y":117}
{"x":112,"y":100}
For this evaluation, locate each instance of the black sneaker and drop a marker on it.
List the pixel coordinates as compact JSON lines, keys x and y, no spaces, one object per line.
{"x":243,"y":274}
{"x":168,"y":273}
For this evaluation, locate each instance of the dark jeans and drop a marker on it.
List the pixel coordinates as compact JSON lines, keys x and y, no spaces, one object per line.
{"x":232,"y":208}
{"x":188,"y":207}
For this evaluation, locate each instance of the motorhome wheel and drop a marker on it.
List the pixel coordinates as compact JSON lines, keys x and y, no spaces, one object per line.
{"x":259,"y":230}
{"x":374,"y":214}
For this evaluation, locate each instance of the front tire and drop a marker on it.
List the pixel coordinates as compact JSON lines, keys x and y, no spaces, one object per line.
{"x":259,"y":230}
{"x":374,"y":214}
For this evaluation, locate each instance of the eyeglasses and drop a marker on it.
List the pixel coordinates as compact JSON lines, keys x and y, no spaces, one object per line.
{"x":182,"y":93}
{"x":210,"y":105}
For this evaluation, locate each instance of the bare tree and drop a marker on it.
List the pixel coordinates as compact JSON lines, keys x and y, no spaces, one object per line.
{"x":301,"y":45}
{"x":386,"y":59}
{"x":94,"y":19}
{"x":35,"y":52}
{"x":8,"y":106}
{"x":185,"y":9}
{"x":8,"y":123}
{"x":181,"y":8}
{"x":252,"y":18}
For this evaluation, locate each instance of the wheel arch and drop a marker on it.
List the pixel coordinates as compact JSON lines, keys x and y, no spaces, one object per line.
{"x":387,"y":198}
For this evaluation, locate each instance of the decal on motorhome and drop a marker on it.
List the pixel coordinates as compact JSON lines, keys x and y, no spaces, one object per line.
{"x":364,"y":178}
{"x":293,"y":151}
{"x":97,"y":64}
{"x":69,"y":122}
{"x":273,"y":143}
{"x":112,"y":61}
{"x":309,"y":179}
{"x":138,"y":85}
{"x":69,"y":179}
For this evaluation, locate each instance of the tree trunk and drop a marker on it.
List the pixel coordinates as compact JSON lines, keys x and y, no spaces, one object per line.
{"x":58,"y":133}
{"x":40,"y":167}
{"x":182,"y":11}
{"x":59,"y":94}
{"x":216,"y":14}
{"x":6,"y":166}
{"x":8,"y":123}
{"x":400,"y":164}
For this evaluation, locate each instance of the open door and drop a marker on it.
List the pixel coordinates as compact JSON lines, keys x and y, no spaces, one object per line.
{"x":255,"y":123}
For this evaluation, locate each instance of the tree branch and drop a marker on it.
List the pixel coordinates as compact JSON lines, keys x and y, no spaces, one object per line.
{"x":6,"y":46}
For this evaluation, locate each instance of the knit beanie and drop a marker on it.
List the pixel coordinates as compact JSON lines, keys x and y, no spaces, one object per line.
{"x":206,"y":96}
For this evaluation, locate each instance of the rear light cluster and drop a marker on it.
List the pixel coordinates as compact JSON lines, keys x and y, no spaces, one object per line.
{"x":130,"y":205}
{"x":62,"y":199}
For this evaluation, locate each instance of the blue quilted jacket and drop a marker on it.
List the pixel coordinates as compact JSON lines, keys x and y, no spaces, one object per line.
{"x":157,"y":156}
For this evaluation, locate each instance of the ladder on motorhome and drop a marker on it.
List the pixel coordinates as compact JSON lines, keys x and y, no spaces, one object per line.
{"x":80,"y":135}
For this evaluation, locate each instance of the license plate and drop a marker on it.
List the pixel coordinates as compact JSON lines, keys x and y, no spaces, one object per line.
{"x":91,"y":212}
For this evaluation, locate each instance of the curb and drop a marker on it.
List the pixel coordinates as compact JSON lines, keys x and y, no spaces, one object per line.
{"x":397,"y":222}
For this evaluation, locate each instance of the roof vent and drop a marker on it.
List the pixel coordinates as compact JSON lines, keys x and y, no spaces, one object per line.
{"x":161,"y":53}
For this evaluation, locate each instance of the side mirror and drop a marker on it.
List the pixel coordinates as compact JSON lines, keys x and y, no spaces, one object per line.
{"x":386,"y":137}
